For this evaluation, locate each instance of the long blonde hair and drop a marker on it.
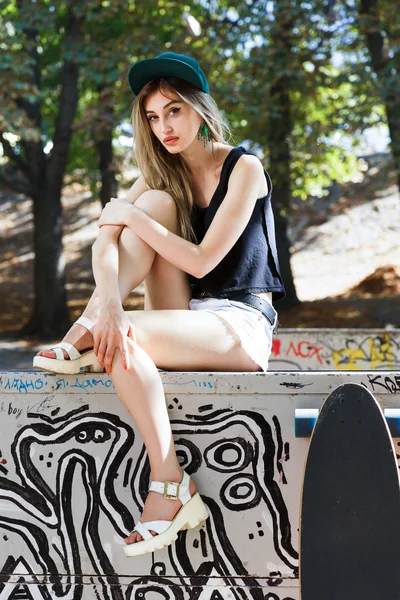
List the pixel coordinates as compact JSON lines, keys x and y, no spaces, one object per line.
{"x":169,"y":172}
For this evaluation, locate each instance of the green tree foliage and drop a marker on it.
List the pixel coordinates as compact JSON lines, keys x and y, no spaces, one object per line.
{"x":278,"y":82}
{"x":64,"y":64}
{"x":270,"y":67}
{"x":368,"y":36}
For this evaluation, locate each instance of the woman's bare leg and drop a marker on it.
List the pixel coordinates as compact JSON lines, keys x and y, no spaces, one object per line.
{"x":178,"y":340}
{"x":166,"y":285}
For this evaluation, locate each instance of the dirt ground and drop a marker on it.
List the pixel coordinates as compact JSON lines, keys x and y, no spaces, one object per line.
{"x":346,"y":257}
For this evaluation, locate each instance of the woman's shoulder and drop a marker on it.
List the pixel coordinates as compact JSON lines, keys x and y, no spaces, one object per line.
{"x":223,"y":151}
{"x":249,"y":165}
{"x":249,"y":162}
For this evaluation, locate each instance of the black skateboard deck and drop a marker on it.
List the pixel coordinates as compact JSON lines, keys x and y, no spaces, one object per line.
{"x":350,"y":509}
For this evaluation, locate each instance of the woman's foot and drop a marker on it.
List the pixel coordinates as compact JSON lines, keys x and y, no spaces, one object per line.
{"x":159,"y":508}
{"x":78,"y":336}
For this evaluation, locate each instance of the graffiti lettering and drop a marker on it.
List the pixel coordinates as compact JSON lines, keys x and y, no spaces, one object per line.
{"x":390,"y":383}
{"x":337,"y":350}
{"x":375,"y":351}
{"x":276,"y":347}
{"x":12,"y":411}
{"x":305,"y":349}
{"x":22,"y":385}
{"x":61,"y":384}
{"x":91,"y":383}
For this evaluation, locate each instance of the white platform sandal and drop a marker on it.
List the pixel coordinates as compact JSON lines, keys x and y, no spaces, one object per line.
{"x":76,"y":362}
{"x":191,"y":514}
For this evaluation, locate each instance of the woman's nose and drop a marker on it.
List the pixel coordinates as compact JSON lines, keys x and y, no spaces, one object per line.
{"x":165,"y":126}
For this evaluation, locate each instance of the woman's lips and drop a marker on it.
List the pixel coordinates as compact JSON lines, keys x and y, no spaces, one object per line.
{"x":171,"y":141}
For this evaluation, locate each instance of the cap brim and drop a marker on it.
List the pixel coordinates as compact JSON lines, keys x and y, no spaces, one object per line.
{"x":152,"y":68}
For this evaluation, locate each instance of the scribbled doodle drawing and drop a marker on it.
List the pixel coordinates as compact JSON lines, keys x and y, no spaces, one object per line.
{"x":145,"y":588}
{"x":249,"y":475}
{"x":3,"y":462}
{"x":48,"y":517}
{"x":205,"y":442}
{"x":64,"y":485}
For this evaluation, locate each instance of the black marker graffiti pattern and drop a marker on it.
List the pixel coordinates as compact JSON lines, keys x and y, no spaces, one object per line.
{"x":64,"y":496}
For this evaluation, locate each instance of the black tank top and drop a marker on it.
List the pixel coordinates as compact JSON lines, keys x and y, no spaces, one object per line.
{"x":252,"y":264}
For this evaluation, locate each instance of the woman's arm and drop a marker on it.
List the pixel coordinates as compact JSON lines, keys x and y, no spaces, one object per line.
{"x":228,"y":224}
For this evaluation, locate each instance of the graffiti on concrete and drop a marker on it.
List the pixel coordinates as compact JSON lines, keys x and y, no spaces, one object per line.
{"x":73,"y":484}
{"x":378,"y":383}
{"x":338,"y":350}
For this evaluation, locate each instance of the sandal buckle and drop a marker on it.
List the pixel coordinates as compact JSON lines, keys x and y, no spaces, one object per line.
{"x":169,"y":496}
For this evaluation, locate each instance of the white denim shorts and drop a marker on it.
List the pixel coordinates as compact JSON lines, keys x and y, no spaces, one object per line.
{"x":253,"y":329}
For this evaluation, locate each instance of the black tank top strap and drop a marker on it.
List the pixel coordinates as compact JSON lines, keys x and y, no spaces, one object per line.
{"x":227,"y":169}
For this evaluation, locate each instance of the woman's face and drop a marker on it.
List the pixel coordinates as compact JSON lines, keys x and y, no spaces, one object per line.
{"x":170,"y":117}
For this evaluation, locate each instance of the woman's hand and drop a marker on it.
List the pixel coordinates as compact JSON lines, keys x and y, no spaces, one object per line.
{"x":115,"y":212}
{"x":111,"y":332}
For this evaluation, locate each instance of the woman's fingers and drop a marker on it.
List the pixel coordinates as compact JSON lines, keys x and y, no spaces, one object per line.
{"x":127,"y":346}
{"x":108,"y":358}
{"x":131,"y":333}
{"x":101,"y":350}
{"x":125,"y":352}
{"x":96,"y":341}
{"x":106,"y":342}
{"x":109,"y":354}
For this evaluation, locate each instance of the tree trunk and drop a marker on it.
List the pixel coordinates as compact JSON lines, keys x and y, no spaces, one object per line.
{"x":50,"y":317}
{"x":370,"y":22}
{"x":278,"y":135}
{"x":103,"y":135}
{"x":283,"y":246}
{"x":109,"y":184}
{"x":393,"y":117}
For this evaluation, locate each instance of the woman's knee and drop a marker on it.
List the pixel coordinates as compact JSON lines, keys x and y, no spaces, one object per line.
{"x":160,"y":206}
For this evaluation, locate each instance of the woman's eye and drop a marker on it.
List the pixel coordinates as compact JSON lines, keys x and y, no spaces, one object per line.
{"x":152,"y":117}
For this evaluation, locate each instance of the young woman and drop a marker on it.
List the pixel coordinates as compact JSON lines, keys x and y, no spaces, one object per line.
{"x":197,"y":227}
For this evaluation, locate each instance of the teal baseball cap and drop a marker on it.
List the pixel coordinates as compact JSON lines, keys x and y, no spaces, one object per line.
{"x":167,"y":64}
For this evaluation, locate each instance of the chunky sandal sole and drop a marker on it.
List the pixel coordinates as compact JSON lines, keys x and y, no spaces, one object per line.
{"x":188,"y":516}
{"x":86,"y":361}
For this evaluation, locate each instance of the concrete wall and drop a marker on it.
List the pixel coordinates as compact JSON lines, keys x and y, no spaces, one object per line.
{"x":74,"y":476}
{"x":336,"y":349}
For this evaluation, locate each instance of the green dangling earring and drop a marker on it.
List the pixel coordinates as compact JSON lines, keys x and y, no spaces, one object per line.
{"x":204,"y":134}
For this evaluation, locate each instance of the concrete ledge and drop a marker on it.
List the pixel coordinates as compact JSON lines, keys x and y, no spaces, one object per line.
{"x":74,"y":476}
{"x":292,"y":350}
